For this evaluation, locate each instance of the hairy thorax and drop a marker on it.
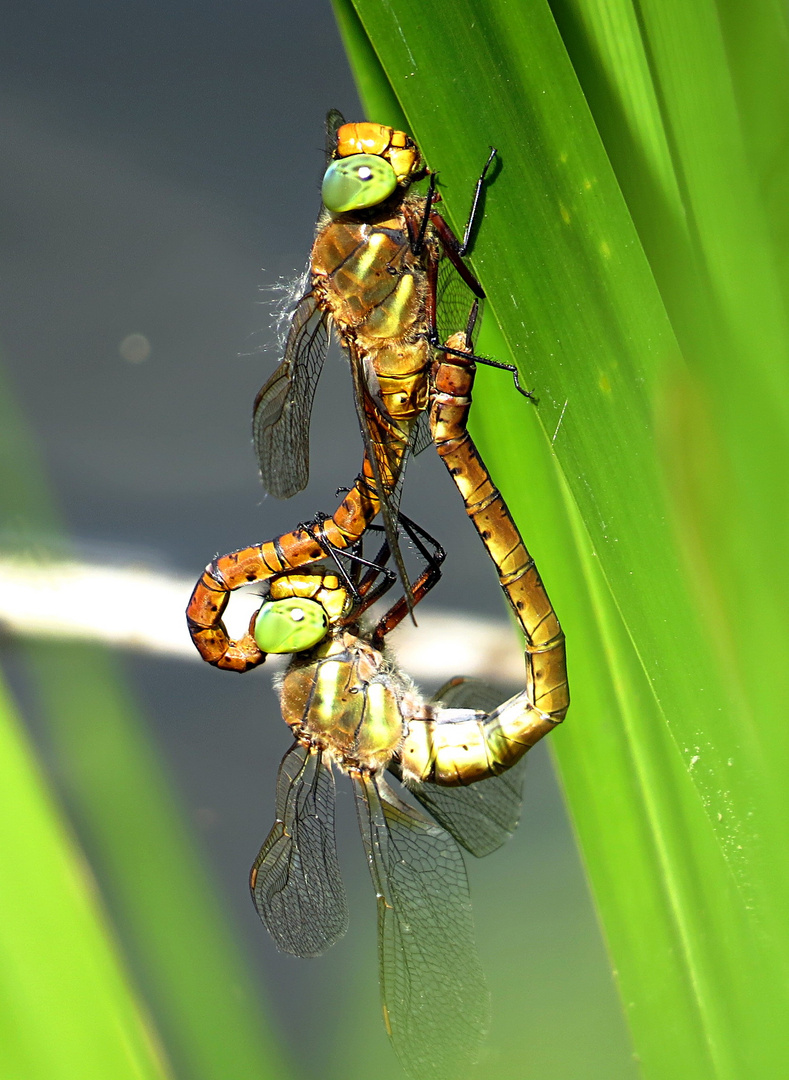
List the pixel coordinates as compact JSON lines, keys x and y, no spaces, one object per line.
{"x":340,"y":697}
{"x":365,"y":273}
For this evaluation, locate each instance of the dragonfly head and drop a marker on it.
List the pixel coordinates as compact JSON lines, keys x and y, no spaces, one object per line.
{"x":371,"y":160}
{"x":299,"y":611}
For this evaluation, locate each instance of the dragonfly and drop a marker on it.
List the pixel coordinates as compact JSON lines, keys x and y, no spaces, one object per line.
{"x":384,"y":272}
{"x":460,"y":755}
{"x":346,"y":706}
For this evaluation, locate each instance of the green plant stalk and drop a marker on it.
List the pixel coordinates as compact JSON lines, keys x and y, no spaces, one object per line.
{"x":194,"y":975}
{"x":66,"y":1006}
{"x":671,"y":757}
{"x":153,"y":869}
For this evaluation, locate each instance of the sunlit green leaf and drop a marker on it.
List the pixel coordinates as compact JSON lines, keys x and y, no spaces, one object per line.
{"x":628,"y":260}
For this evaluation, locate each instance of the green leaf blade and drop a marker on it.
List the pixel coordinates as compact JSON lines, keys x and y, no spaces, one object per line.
{"x":61,"y":973}
{"x":616,"y":270}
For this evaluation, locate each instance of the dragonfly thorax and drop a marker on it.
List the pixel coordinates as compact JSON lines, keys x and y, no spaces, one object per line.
{"x":341,"y":696}
{"x":365,"y":274}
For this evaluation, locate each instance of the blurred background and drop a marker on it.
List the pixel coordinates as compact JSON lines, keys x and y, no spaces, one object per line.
{"x":160,"y":181}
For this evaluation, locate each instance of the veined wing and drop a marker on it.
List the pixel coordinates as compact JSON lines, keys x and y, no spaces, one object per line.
{"x":434,"y":996}
{"x":334,"y":120}
{"x":483,"y":815}
{"x":454,"y":306}
{"x":295,"y":882}
{"x":421,"y":436}
{"x":454,"y":301}
{"x":387,"y":448}
{"x":281,"y":417}
{"x":464,"y":692}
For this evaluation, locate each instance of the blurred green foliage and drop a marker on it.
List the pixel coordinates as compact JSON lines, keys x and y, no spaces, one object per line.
{"x":63,"y":970}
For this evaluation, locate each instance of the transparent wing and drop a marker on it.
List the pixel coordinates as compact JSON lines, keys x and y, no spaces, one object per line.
{"x":481,"y":816}
{"x":334,"y":120}
{"x":295,"y":882}
{"x":463,"y":692}
{"x":454,"y":301}
{"x":434,"y":996}
{"x":420,"y":436}
{"x":281,"y":417}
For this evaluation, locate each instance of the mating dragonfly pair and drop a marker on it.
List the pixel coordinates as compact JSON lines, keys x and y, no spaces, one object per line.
{"x":387,"y":273}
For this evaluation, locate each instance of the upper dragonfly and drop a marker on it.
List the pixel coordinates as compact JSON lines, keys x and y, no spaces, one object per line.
{"x":384,"y":271}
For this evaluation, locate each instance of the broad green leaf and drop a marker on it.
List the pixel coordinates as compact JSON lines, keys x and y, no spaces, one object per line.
{"x":66,"y":1005}
{"x":627,"y":257}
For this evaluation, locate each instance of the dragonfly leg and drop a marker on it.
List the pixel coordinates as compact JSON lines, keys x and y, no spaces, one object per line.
{"x":431,"y":311}
{"x":464,"y":351}
{"x":475,"y":202}
{"x":261,"y":562}
{"x":429,"y":577}
{"x":450,"y":246}
{"x":432,"y":196}
{"x":370,"y":589}
{"x":367,"y":590}
{"x":453,"y":248}
{"x":488,"y":362}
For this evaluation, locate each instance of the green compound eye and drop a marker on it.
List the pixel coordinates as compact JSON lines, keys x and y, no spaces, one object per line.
{"x":290,"y":626}
{"x":356,"y":182}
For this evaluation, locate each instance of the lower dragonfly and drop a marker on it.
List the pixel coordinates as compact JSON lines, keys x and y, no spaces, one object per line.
{"x":350,"y":706}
